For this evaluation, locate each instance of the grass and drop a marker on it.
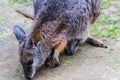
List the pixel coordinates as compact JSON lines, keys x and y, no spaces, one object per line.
{"x":110,"y":33}
{"x":21,"y":1}
{"x":19,"y":72}
{"x":106,"y":26}
{"x":106,"y":19}
{"x":106,"y":3}
{"x":67,"y":62}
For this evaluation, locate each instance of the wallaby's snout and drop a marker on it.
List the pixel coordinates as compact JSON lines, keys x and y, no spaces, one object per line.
{"x":29,"y":70}
{"x":29,"y":58}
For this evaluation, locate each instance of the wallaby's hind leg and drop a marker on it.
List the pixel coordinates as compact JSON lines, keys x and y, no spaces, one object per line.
{"x":72,"y":46}
{"x":96,"y":42}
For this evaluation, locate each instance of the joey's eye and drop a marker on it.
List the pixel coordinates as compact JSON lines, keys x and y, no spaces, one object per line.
{"x":30,"y":62}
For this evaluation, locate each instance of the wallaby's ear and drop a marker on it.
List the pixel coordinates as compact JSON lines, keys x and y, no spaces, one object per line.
{"x":19,"y":33}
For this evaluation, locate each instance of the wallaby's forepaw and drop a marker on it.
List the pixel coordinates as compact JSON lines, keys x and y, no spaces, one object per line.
{"x":52,"y":63}
{"x":72,"y":46}
{"x":96,"y":42}
{"x":56,"y":62}
{"x":48,"y":64}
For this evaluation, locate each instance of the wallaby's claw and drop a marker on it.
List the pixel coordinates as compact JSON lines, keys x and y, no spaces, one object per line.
{"x":106,"y":47}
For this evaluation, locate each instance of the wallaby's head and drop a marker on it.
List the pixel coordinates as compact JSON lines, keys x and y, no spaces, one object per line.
{"x":31,"y":56}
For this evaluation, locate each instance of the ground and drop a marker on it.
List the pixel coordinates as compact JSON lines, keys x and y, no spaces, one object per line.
{"x":89,"y":63}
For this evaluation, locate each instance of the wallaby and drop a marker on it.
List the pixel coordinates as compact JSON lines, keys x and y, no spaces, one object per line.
{"x":58,"y":25}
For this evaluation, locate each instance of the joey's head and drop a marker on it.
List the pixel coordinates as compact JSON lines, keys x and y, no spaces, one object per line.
{"x":31,"y":56}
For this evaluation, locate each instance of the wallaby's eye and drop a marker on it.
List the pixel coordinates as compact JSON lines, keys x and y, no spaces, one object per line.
{"x":30,"y":62}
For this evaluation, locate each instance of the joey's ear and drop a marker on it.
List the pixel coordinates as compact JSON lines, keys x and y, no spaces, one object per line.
{"x":19,"y":33}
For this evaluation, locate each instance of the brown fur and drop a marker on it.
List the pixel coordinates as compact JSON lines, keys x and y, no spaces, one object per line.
{"x":36,"y":36}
